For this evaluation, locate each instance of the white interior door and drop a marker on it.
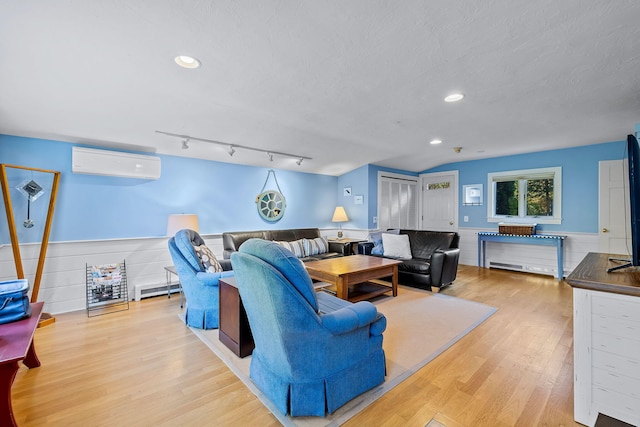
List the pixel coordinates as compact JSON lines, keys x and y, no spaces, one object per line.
{"x":439,"y":207}
{"x":614,"y":219}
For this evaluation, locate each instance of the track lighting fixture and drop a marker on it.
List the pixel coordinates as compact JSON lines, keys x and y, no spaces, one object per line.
{"x":232,"y":148}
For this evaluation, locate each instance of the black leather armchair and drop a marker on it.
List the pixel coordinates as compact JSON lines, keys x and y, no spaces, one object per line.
{"x":434,"y":262}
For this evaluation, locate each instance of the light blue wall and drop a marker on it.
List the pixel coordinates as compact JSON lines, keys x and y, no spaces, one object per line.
{"x":357,"y":180}
{"x":222,"y":194}
{"x":579,"y":183}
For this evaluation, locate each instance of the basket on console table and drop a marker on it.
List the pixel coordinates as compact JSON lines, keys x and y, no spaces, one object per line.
{"x":517,"y":229}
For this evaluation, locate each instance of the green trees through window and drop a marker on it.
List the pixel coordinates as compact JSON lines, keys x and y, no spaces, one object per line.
{"x":533,"y":194}
{"x":537,"y":193}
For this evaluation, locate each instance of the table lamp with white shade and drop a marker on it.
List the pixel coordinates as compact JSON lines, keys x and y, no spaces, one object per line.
{"x":178,"y":222}
{"x":339,"y":216}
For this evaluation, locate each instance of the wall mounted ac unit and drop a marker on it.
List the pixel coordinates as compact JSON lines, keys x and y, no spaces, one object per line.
{"x":114,"y":163}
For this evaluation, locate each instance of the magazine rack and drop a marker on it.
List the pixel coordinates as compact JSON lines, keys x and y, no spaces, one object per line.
{"x":107,"y":288}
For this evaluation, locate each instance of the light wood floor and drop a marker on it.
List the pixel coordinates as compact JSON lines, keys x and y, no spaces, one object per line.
{"x":143,"y":367}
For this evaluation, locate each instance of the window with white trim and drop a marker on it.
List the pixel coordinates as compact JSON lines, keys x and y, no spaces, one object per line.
{"x":531,"y":196}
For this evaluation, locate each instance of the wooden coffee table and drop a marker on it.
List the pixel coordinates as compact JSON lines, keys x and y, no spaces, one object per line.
{"x":356,"y":277}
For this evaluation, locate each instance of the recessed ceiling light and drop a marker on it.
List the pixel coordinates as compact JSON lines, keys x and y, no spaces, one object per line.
{"x":453,"y":97}
{"x":187,"y":61}
{"x":435,"y":141}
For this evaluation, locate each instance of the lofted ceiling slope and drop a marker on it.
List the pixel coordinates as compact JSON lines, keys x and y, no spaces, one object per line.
{"x":345,"y":83}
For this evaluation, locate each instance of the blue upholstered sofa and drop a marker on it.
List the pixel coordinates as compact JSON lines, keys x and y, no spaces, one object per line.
{"x":313,"y":352}
{"x":199,"y":286}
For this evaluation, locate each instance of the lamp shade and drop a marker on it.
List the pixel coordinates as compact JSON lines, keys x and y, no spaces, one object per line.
{"x":178,"y":222}
{"x":339,"y":215}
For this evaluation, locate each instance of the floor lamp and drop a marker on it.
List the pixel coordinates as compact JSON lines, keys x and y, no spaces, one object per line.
{"x":46,"y":318}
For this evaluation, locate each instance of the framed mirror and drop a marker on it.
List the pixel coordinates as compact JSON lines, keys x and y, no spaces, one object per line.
{"x":271,"y":205}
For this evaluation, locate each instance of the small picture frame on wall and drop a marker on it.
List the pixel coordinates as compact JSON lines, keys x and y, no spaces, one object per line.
{"x":358,"y":200}
{"x":472,"y":195}
{"x":346,"y":191}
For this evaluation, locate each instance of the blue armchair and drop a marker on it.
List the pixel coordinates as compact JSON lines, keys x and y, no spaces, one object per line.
{"x":200,"y":287}
{"x":313,"y":352}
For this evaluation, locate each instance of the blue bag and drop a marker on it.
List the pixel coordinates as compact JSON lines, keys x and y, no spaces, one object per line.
{"x":14,"y":301}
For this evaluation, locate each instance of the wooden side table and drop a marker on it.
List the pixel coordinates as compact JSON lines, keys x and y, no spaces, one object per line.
{"x":17,"y":344}
{"x":350,"y":244}
{"x":234,"y":330}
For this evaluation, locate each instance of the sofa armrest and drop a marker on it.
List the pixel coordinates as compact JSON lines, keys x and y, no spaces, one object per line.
{"x":365,"y":248}
{"x":349,"y":318}
{"x":444,"y":266}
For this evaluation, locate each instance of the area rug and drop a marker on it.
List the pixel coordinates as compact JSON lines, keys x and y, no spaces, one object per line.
{"x":420,"y":326}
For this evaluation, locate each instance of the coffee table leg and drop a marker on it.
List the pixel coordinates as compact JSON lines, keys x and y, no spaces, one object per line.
{"x":342,"y":289}
{"x":394,"y":281}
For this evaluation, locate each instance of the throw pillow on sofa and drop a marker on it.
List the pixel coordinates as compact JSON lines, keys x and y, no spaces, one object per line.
{"x":319,"y":245}
{"x":296,"y":247}
{"x":396,"y":246}
{"x":208,"y":259}
{"x":376,"y":238}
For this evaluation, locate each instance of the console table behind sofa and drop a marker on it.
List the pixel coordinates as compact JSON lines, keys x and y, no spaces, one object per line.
{"x":534,"y":239}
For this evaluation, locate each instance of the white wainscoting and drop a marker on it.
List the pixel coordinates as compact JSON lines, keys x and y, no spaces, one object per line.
{"x":528,"y":258}
{"x":63,"y":284}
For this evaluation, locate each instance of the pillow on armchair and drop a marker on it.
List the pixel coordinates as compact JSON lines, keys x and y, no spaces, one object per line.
{"x":396,"y":246}
{"x":208,"y":259}
{"x":376,"y":238}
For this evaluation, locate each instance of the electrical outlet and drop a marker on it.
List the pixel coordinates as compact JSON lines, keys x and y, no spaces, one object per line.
{"x":375,"y":219}
{"x":466,"y":218}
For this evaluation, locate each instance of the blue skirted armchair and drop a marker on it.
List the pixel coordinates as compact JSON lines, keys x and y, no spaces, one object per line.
{"x":313,"y":352}
{"x":199,"y":286}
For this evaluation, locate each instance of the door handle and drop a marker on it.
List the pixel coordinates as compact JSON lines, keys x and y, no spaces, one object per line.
{"x":450,"y":222}
{"x":605,"y":230}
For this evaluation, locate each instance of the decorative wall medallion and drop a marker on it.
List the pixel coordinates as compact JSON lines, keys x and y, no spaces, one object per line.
{"x":271,"y":203}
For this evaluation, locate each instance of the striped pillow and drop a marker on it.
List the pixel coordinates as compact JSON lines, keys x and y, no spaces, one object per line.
{"x":296,"y":247}
{"x":316,"y":246}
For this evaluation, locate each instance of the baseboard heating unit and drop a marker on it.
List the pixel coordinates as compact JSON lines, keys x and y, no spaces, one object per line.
{"x":154,"y":289}
{"x":524,"y":268}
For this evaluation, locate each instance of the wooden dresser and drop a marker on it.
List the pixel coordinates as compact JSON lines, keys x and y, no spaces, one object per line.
{"x":606,"y":331}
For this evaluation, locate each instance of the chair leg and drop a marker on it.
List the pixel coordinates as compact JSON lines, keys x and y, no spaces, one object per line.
{"x":435,"y":289}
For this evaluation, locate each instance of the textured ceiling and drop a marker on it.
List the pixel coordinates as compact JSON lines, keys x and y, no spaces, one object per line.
{"x":344,"y":82}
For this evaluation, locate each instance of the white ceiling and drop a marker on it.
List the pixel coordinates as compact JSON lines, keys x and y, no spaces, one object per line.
{"x":345,"y":82}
